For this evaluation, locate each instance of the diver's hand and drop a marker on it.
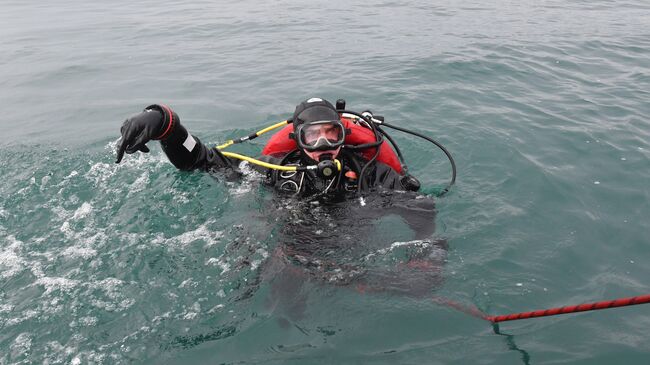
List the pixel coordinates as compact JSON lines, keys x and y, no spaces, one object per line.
{"x":138,"y":130}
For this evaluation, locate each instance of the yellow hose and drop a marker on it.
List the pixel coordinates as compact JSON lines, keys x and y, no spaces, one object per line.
{"x":260,"y":163}
{"x":277,"y":125}
{"x":228,"y":143}
{"x":259,"y":133}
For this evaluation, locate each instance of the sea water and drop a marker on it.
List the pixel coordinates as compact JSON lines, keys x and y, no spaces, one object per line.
{"x":543,"y":104}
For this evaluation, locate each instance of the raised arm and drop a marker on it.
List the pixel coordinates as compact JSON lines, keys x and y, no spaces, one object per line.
{"x":159,"y":122}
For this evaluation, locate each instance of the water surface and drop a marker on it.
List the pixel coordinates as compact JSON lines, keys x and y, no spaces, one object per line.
{"x":544,"y":106}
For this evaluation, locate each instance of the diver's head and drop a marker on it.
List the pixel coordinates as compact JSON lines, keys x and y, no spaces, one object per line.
{"x":318,"y":129}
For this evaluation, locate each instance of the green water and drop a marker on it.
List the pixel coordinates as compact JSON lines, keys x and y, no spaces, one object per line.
{"x":544,"y":106}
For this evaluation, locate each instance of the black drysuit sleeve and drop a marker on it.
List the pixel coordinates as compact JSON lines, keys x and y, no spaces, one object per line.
{"x":186,"y":151}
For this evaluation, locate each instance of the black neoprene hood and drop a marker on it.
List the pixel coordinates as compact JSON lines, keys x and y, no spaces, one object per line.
{"x":313,"y":110}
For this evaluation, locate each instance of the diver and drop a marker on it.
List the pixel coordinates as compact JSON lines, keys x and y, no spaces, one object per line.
{"x":319,"y":137}
{"x":312,"y":159}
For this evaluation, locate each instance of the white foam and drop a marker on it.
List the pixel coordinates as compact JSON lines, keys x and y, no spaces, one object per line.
{"x":215,"y":308}
{"x":100,"y":172}
{"x":58,"y":353}
{"x":45,"y":180}
{"x":60,"y":212}
{"x":6,"y":308}
{"x":11,"y":263}
{"x":394,"y":245}
{"x":21,"y":345}
{"x":112,"y":306}
{"x":250,"y":176}
{"x":421,"y":243}
{"x":238,"y":189}
{"x":201,"y":233}
{"x":112,"y":146}
{"x":139,"y":184}
{"x":66,"y":230}
{"x":212,"y":261}
{"x":57,"y":283}
{"x":98,"y":238}
{"x":126,"y":304}
{"x":257,"y":262}
{"x":188,"y":282}
{"x":84,"y":210}
{"x":181,"y":197}
{"x":26,"y":315}
{"x":111,"y":287}
{"x":79,"y":252}
{"x":263,"y":252}
{"x":37,"y":269}
{"x":224,"y":266}
{"x":190,"y":315}
{"x":193,"y":312}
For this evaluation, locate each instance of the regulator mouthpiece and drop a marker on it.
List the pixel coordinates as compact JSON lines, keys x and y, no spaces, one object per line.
{"x":326,"y":166}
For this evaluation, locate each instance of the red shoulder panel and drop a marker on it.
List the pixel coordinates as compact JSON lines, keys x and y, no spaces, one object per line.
{"x":280,"y":143}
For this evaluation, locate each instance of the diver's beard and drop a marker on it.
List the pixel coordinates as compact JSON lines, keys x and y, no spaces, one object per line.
{"x":306,"y":159}
{"x":314,"y":157}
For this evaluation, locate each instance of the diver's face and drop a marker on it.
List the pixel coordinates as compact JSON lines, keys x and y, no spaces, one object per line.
{"x":315,"y":155}
{"x":322,"y":134}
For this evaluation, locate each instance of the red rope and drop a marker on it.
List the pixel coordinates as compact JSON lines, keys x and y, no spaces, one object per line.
{"x":621,"y":302}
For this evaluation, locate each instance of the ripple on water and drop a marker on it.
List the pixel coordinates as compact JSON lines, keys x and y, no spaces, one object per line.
{"x":546,"y":115}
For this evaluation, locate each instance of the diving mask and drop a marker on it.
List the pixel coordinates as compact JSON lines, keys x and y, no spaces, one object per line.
{"x":320,"y":135}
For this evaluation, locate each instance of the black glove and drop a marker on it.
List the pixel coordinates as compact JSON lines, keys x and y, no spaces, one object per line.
{"x":138,"y":130}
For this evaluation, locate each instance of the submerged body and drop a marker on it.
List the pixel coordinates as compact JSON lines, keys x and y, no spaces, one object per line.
{"x":324,"y":232}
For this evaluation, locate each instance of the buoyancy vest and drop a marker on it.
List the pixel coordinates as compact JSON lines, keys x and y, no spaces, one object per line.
{"x":280,"y":143}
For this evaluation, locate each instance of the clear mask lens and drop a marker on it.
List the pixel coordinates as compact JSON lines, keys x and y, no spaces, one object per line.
{"x":323,"y":134}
